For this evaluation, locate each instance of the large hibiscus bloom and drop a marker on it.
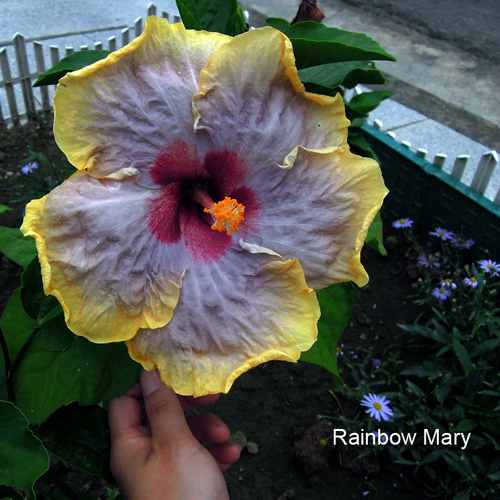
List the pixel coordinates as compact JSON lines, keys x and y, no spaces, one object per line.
{"x":213,"y":196}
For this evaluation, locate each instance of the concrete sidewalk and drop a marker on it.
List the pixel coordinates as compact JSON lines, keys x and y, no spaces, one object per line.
{"x":446,"y":100}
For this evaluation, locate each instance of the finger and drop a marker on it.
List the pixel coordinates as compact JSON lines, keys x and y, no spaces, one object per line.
{"x":188,"y":402}
{"x":225,"y":454}
{"x":125,"y":415}
{"x":209,"y":427}
{"x":165,"y":415}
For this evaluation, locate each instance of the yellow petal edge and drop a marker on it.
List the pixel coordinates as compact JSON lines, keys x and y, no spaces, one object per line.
{"x":297,"y":333}
{"x":113,"y":322}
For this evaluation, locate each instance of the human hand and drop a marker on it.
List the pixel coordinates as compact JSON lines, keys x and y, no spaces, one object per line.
{"x":161,"y":457}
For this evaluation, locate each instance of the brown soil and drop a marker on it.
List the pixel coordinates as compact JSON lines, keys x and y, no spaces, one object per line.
{"x":276,"y":405}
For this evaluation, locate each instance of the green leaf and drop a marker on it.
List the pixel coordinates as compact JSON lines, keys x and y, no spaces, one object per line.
{"x":465,"y":425}
{"x":315,"y":44}
{"x":374,"y":237}
{"x":336,"y":306}
{"x":415,"y":389}
{"x":23,"y":459}
{"x":38,"y":305}
{"x":78,"y":60}
{"x":349,"y":74}
{"x":79,"y":436}
{"x":433,"y":456}
{"x":4,"y":208}
{"x":16,"y":324}
{"x":189,"y":14}
{"x":223,"y":16}
{"x":495,"y":476}
{"x":461,"y":354}
{"x":368,"y":101}
{"x":430,"y":333}
{"x":433,"y":369}
{"x":278,"y":23}
{"x":16,"y":247}
{"x":487,"y":346}
{"x":59,"y":368}
{"x":360,"y":146}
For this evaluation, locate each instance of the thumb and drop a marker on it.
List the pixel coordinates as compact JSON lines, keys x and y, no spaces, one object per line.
{"x":165,"y":415}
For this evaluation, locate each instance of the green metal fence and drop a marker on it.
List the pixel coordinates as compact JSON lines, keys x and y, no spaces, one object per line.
{"x":432,"y":198}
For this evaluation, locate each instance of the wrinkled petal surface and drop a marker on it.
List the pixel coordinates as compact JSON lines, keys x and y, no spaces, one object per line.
{"x":232,"y":315}
{"x":251,"y":101}
{"x":324,"y":222}
{"x":119,"y":112}
{"x":109,"y":274}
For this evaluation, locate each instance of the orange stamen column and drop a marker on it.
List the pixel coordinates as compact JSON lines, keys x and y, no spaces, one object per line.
{"x":227,"y":214}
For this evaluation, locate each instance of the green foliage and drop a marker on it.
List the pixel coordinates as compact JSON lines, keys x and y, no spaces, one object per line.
{"x":51,"y":367}
{"x":79,"y":436}
{"x":454,"y":386}
{"x":336,"y":305}
{"x":78,"y":60}
{"x":223,"y":16}
{"x":16,"y":247}
{"x":23,"y":459}
{"x":59,"y":368}
{"x":362,"y":104}
{"x":321,"y":79}
{"x":374,"y":237}
{"x":316,"y":44}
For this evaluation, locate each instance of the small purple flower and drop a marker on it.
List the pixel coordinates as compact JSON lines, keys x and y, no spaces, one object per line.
{"x":429,"y":261}
{"x":402,"y":223}
{"x":447,"y":283}
{"x":377,"y":406}
{"x":376,"y":362}
{"x":488,"y":266}
{"x":472,"y":282}
{"x":441,"y":233}
{"x":28,"y":168}
{"x":462,"y":243}
{"x":441,"y":293}
{"x":340,"y":352}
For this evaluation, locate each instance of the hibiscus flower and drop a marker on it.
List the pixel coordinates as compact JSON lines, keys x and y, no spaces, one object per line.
{"x":213,"y":196}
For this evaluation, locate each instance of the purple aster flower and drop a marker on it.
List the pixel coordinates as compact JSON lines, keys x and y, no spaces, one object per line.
{"x":377,"y":406}
{"x":28,"y":168}
{"x":447,"y":283}
{"x":441,"y":293}
{"x":488,"y":266}
{"x":428,"y":261}
{"x":402,"y":223}
{"x":472,"y":282}
{"x":441,"y":233}
{"x":376,"y":362}
{"x":462,"y":243}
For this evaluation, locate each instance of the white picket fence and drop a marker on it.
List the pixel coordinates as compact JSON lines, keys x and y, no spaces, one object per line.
{"x":18,"y":99}
{"x":483,"y":173}
{"x":22,"y":100}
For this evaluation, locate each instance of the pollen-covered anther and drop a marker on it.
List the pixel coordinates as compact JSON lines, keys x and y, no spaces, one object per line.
{"x":227,"y":215}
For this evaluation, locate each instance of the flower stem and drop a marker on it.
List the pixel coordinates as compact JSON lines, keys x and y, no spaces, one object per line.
{"x":6,"y":357}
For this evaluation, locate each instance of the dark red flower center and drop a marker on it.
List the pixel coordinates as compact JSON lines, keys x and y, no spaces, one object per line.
{"x":177,"y":213}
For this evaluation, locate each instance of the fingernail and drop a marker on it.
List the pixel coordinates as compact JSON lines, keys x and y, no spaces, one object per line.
{"x":219,"y":423}
{"x":150,"y":382}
